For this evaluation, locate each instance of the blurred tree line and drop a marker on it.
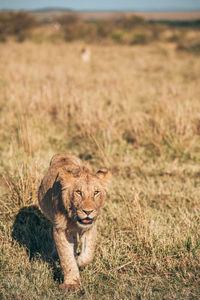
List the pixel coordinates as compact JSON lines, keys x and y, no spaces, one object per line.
{"x":131,"y":30}
{"x":96,"y":31}
{"x":16,"y":24}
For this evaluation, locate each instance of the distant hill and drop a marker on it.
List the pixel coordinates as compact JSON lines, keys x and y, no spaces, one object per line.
{"x":50,"y":10}
{"x":99,"y":15}
{"x":51,"y":13}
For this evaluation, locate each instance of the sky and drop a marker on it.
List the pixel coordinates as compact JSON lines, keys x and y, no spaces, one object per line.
{"x":137,"y":5}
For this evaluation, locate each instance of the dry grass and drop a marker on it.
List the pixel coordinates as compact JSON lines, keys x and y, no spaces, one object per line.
{"x":133,"y":109}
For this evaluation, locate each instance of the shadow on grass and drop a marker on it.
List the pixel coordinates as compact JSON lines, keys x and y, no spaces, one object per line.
{"x":32,"y":230}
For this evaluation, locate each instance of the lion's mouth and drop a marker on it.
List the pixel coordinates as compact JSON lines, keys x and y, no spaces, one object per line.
{"x":85,"y":221}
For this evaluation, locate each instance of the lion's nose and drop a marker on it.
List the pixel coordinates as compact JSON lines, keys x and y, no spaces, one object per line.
{"x":87,"y":212}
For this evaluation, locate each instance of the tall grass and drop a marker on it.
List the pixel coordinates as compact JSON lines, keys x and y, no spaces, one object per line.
{"x":133,"y":109}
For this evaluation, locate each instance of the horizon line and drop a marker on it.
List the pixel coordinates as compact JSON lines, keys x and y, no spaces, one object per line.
{"x":98,"y":10}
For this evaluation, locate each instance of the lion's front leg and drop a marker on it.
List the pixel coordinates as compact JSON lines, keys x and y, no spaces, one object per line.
{"x":65,"y":247}
{"x":88,"y":241}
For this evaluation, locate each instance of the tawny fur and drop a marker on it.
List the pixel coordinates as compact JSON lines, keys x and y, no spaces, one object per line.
{"x":71,"y":196}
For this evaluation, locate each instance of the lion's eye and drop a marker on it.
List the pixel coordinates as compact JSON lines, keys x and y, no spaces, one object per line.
{"x":96,"y":193}
{"x":79,"y":192}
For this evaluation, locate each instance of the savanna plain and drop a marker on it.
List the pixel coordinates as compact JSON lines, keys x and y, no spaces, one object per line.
{"x":134,"y":109}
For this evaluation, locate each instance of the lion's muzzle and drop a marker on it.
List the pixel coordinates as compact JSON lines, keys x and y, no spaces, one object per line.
{"x":86,"y":217}
{"x":86,"y":221}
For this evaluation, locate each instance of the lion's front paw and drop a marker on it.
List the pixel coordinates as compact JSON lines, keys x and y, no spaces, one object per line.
{"x":70,"y":287}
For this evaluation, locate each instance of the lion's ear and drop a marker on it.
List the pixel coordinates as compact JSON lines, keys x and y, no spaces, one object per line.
{"x":103,"y":174}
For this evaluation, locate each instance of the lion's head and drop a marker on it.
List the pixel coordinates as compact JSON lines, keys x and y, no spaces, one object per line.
{"x":83,"y":193}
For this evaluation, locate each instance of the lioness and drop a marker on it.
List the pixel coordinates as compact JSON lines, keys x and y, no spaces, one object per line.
{"x":70,"y":196}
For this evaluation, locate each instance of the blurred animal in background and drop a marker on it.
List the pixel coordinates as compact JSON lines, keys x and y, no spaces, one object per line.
{"x":56,"y":26}
{"x":85,"y":54}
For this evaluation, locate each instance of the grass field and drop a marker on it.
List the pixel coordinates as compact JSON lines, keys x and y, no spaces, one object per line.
{"x":135,"y":110}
